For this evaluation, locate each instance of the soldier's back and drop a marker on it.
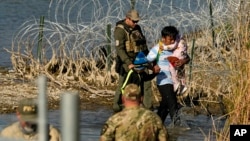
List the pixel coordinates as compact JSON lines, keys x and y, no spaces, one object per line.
{"x":138,"y":124}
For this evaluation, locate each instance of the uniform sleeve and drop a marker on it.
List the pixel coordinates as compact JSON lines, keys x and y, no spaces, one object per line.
{"x":107,"y":132}
{"x":5,"y":132}
{"x":162,"y":130}
{"x":163,"y":135}
{"x":9,"y":131}
{"x":120,"y":38}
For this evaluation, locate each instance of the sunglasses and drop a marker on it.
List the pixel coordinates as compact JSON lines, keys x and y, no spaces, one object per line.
{"x":134,"y":21}
{"x":141,"y":65}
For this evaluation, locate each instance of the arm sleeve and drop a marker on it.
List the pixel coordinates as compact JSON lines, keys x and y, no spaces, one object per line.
{"x":152,"y":54}
{"x":162,"y":131}
{"x":108,"y":132}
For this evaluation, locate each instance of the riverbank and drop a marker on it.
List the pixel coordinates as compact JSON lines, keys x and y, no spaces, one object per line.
{"x":14,"y":88}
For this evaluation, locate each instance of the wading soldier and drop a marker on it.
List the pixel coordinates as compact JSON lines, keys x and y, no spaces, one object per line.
{"x":134,"y":123}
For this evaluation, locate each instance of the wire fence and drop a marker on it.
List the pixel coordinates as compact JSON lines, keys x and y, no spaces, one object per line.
{"x":74,"y":36}
{"x":79,"y":27}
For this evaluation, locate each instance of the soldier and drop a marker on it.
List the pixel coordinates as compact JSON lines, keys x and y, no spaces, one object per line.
{"x":129,"y":40}
{"x":134,"y":123}
{"x":26,"y":127}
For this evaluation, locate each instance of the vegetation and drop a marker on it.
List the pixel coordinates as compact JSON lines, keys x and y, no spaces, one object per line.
{"x":74,"y":48}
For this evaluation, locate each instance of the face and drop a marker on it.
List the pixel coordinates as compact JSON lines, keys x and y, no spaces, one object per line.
{"x":140,"y":70}
{"x":168,"y":40}
{"x":131,"y":22}
{"x":27,"y":127}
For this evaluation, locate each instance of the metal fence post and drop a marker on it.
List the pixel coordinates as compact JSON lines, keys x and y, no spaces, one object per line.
{"x":42,"y":110}
{"x":70,"y":117}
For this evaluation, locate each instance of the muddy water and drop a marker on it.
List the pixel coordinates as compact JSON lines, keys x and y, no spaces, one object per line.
{"x":91,"y":122}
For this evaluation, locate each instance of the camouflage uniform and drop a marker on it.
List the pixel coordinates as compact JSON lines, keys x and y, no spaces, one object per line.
{"x":126,"y":56}
{"x":134,"y":124}
{"x":27,"y":112}
{"x":14,"y":131}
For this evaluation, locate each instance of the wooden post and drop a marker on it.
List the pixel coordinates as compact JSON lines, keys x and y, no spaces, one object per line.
{"x":108,"y":47}
{"x":40,"y":39}
{"x":212,"y":23}
{"x":132,"y":4}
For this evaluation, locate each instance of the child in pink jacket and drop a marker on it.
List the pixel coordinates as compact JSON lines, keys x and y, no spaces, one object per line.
{"x":179,"y":49}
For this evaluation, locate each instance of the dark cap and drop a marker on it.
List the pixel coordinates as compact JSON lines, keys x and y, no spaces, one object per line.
{"x":133,"y":15}
{"x":28,"y":109}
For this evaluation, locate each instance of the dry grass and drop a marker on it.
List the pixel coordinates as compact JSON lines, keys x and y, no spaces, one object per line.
{"x":73,"y":57}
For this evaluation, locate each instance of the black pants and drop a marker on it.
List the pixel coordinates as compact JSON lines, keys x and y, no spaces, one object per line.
{"x":168,"y":103}
{"x":147,"y":94}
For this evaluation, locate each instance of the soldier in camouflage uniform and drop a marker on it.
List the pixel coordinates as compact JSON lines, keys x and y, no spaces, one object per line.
{"x":129,"y":40}
{"x":26,"y":127}
{"x":134,"y":123}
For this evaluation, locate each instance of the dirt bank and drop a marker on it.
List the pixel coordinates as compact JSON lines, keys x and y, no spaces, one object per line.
{"x":13,"y":88}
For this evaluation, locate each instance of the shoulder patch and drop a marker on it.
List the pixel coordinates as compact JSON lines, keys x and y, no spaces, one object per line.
{"x":104,"y":129}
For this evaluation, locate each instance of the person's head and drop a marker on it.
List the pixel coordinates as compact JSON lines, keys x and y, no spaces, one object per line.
{"x":140,"y":62}
{"x":131,"y":95}
{"x":132,"y":18}
{"x":27,"y":112}
{"x":169,"y":34}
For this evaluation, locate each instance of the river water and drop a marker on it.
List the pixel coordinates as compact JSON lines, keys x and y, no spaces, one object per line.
{"x":14,"y":13}
{"x":91,"y":122}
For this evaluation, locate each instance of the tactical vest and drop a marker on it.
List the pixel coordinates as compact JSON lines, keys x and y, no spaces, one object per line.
{"x":136,"y":42}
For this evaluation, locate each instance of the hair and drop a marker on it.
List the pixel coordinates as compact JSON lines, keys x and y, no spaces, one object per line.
{"x":170,"y":31}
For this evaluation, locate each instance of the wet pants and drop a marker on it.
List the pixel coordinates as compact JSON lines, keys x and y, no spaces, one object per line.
{"x":147,"y":96}
{"x":168,"y":103}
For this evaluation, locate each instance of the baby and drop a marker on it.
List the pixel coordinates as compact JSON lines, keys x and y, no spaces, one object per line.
{"x":179,"y":49}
